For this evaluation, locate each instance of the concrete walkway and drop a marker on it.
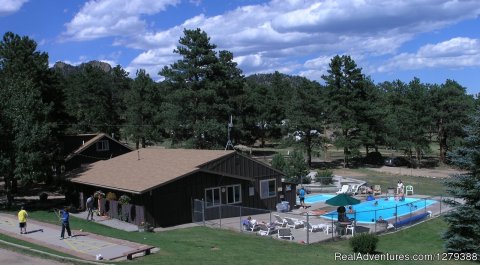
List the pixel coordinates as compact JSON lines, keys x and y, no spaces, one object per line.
{"x":82,"y":244}
{"x":111,"y":222}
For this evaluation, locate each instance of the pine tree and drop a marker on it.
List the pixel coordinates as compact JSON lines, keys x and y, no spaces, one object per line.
{"x":463,"y":232}
{"x":142,"y":113}
{"x":346,"y":102}
{"x":305,"y":114}
{"x":452,"y":107}
{"x":27,"y":110}
{"x":202,"y":91}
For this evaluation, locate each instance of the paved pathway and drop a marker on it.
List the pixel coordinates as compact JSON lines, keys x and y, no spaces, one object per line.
{"x":111,"y":222}
{"x":82,"y":244}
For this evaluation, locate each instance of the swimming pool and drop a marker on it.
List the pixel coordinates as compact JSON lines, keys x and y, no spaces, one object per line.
{"x":316,"y":198}
{"x":367,"y":212}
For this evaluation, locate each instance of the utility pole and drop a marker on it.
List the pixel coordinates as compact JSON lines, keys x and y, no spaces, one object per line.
{"x":230,"y":126}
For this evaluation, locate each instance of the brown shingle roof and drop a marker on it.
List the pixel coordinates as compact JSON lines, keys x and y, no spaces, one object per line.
{"x":154,"y":168}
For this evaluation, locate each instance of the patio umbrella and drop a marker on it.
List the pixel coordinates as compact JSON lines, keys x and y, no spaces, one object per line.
{"x":342,"y":200}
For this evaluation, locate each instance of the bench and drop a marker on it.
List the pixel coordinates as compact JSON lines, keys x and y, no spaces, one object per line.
{"x":146,"y":250}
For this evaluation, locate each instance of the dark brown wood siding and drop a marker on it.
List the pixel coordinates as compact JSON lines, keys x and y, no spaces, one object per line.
{"x":91,"y":155}
{"x":171,"y":204}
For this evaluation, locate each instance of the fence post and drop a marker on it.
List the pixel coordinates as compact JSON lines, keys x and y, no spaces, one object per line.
{"x":441,"y":201}
{"x":333,"y":230}
{"x":424,"y":205}
{"x":308,"y":232}
{"x":241,"y":225}
{"x":396,"y":214}
{"x":203,"y":212}
{"x":354,"y":223}
{"x":220,"y":214}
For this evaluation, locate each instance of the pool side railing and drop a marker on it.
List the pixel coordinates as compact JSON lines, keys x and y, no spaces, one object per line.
{"x":233,"y":217}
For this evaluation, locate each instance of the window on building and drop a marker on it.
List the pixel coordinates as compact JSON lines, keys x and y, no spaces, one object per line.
{"x":268,"y":188}
{"x":212,"y":197}
{"x":234,"y":194}
{"x":103,"y":145}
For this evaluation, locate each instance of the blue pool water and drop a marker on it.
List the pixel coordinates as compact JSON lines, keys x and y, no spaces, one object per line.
{"x":316,"y":198}
{"x":367,"y":212}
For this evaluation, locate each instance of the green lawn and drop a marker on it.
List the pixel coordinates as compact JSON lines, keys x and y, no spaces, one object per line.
{"x":202,"y":245}
{"x":422,"y":185}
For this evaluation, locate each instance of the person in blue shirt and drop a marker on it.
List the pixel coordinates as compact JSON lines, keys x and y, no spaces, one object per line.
{"x":301,"y":196}
{"x":65,"y":218}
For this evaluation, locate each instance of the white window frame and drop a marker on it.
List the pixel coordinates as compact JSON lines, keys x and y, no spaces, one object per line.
{"x":271,"y":193}
{"x":103,"y":145}
{"x":213,"y":203}
{"x":232,"y":189}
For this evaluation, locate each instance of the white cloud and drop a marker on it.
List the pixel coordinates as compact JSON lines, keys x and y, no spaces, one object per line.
{"x":104,"y":18}
{"x":8,"y":7}
{"x":454,"y":53}
{"x":373,"y":16}
{"x":277,"y":35}
{"x":281,"y":34}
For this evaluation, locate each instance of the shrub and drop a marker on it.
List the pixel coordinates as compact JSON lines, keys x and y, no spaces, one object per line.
{"x":325,"y":177}
{"x":124,"y":199}
{"x":278,"y":162}
{"x":99,"y":194}
{"x":43,"y":197}
{"x":374,"y":158}
{"x":111,"y":196}
{"x":364,"y":243}
{"x":145,"y":227}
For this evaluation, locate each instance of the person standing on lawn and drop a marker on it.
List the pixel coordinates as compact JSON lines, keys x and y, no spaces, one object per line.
{"x":90,"y":207}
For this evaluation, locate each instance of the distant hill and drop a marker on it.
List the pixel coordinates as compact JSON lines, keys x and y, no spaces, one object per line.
{"x":67,"y":69}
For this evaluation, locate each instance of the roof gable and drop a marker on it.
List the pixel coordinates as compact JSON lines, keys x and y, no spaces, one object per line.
{"x":241,"y":166}
{"x":91,"y":142}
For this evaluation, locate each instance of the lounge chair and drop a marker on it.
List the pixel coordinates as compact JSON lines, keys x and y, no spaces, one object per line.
{"x":354,"y":189}
{"x":250,"y":225}
{"x":285,"y":233}
{"x":280,"y":221}
{"x":293,"y":223}
{"x":313,"y":228}
{"x":377,"y":190}
{"x":344,"y":189}
{"x":266,"y":230}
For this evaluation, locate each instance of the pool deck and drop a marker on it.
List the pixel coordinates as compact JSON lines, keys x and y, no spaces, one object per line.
{"x":302,"y":236}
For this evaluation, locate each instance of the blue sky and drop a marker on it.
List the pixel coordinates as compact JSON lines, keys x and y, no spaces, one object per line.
{"x":433,"y":40}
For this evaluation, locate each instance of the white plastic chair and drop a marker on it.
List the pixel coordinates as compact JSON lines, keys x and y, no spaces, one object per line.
{"x":351,"y":228}
{"x":408,"y":189}
{"x":329,"y":229}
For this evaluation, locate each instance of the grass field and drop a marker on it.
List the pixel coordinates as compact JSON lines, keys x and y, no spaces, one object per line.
{"x":202,"y":245}
{"x":422,"y":185}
